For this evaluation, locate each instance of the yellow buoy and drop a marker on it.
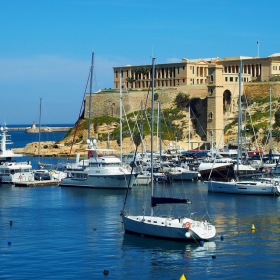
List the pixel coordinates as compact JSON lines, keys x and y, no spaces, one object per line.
{"x":253,"y":227}
{"x":183,"y":277}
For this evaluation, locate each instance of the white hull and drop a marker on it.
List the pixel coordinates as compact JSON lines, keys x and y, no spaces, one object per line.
{"x":184,"y":175}
{"x":244,"y":187}
{"x":17,"y":177}
{"x":142,"y":180}
{"x":108,"y":181}
{"x":169,"y":228}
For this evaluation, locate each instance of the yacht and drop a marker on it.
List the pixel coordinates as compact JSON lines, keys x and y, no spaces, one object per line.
{"x":102,"y":170}
{"x":12,"y":171}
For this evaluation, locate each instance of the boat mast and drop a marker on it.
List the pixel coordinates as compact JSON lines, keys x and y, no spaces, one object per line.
{"x":90,"y":94}
{"x":152,"y":134}
{"x":121,"y":115}
{"x":270,"y":124}
{"x":239,"y":155}
{"x":189,"y":142}
{"x":142,"y":140}
{"x":39,"y":128}
{"x":159,"y":129}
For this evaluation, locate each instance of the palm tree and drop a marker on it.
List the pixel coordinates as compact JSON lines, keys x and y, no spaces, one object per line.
{"x":130,"y":80}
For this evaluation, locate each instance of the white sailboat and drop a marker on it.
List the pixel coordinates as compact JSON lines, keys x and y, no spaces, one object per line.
{"x":178,"y":228}
{"x":102,"y":169}
{"x":243,"y":187}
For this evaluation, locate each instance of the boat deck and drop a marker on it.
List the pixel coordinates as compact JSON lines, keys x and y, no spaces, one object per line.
{"x":37,"y":183}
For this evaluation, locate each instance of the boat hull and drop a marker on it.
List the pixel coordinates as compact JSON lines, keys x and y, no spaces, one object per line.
{"x":185,"y":176}
{"x":100,"y":181}
{"x":218,"y":173}
{"x":168,"y":228}
{"x":253,"y":188}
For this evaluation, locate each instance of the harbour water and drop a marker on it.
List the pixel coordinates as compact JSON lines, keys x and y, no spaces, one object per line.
{"x":57,"y":232}
{"x":71,"y":233}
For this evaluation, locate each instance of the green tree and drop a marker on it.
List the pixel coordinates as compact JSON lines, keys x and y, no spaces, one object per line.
{"x":130,"y":80}
{"x":277,"y":118}
{"x":182,"y":100}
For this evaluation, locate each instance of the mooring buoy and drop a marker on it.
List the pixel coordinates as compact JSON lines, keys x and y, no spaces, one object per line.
{"x":253,"y":227}
{"x":106,"y":272}
{"x":222,"y":237}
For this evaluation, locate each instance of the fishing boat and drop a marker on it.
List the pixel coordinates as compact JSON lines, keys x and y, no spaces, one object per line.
{"x":11,"y":170}
{"x":166,"y":227}
{"x":102,"y":169}
{"x":237,"y":186}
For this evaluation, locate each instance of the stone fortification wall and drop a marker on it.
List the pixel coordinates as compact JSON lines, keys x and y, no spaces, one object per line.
{"x":107,"y":103}
{"x":254,"y":90}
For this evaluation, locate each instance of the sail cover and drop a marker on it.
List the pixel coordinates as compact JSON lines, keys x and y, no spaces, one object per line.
{"x":167,"y":200}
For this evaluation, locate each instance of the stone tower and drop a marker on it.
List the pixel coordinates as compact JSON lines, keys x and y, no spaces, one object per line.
{"x":215,"y":106}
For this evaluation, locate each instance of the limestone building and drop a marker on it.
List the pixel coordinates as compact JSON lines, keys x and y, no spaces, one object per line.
{"x":220,"y":76}
{"x":195,"y":71}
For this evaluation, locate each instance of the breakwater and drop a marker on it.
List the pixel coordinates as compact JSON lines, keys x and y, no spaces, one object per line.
{"x":44,"y":129}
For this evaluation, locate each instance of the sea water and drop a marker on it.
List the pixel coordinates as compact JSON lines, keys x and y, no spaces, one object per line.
{"x":57,"y":232}
{"x":74,"y":233}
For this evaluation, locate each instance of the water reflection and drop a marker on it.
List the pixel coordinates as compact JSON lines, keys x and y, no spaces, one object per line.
{"x":169,"y":248}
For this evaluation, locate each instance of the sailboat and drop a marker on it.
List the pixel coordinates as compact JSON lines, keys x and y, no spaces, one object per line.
{"x":167,"y":227}
{"x":260,"y":187}
{"x":43,"y":174}
{"x":102,"y":168}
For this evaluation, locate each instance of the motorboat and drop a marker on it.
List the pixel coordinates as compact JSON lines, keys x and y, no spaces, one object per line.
{"x":11,"y":170}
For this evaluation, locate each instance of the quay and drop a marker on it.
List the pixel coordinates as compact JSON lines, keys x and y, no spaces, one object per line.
{"x":37,"y":183}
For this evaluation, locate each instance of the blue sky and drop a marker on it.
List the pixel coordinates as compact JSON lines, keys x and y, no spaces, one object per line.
{"x":46,"y":45}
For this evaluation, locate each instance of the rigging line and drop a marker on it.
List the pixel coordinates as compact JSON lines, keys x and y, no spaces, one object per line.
{"x":126,"y":194}
{"x":128,"y":125}
{"x":135,"y":117}
{"x":79,"y":117}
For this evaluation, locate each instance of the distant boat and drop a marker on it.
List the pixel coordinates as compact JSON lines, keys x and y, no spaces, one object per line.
{"x":167,"y":227}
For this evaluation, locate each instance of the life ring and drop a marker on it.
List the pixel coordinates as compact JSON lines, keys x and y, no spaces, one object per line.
{"x":20,"y":177}
{"x":267,"y":170}
{"x":187,"y":225}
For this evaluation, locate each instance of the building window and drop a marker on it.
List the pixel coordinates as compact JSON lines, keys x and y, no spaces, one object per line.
{"x":236,"y":79}
{"x":183,"y":80}
{"x":210,"y":116}
{"x":116,"y":74}
{"x":226,"y":79}
{"x":211,"y":78}
{"x":231,"y":79}
{"x":178,"y":70}
{"x":183,"y":67}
